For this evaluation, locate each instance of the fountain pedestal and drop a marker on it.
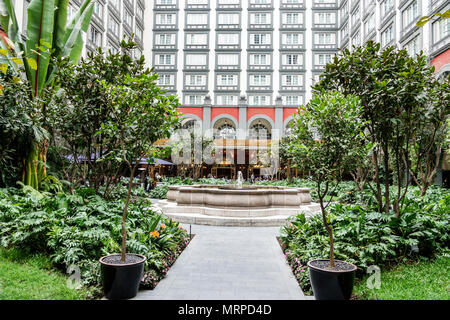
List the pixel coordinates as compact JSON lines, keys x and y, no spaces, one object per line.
{"x":231,"y":205}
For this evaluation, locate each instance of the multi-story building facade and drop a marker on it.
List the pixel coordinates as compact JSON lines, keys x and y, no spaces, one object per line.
{"x":112,"y":20}
{"x":249,"y":64}
{"x":242,"y":67}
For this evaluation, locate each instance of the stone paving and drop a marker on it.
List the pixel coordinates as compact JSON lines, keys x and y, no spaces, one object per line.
{"x":226,"y":263}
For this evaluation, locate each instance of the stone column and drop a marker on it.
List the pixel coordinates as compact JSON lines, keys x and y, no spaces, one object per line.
{"x":279,"y":115}
{"x":207,"y":113}
{"x":242,"y":126}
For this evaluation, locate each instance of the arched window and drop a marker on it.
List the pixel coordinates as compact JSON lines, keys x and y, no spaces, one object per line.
{"x":289,"y":130}
{"x":190,"y":124}
{"x":225,"y":129}
{"x":260,"y":129}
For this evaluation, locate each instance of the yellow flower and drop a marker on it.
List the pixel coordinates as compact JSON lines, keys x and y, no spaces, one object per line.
{"x":154,"y":234}
{"x":180,"y":227}
{"x":163,"y":225}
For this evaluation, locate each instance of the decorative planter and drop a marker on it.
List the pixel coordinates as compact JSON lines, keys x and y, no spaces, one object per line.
{"x":329,"y":284}
{"x":121,"y":280}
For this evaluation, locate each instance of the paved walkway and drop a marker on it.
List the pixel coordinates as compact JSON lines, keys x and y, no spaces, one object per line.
{"x":223,"y":263}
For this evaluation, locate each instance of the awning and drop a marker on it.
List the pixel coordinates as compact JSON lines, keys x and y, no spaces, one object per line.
{"x":156,"y":161}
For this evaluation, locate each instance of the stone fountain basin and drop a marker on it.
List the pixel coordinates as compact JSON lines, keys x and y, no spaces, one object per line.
{"x":232,"y":197}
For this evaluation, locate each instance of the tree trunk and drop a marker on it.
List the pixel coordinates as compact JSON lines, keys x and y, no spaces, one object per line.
{"x":124,"y":216}
{"x":386,"y":178}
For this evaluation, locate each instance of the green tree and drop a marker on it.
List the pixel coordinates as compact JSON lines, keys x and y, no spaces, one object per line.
{"x":394,"y":89}
{"x":140,"y":114}
{"x":80,"y":108}
{"x":326,"y":143}
{"x":48,"y":36}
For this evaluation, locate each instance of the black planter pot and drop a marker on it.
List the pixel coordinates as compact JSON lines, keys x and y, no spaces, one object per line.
{"x":332,"y":285}
{"x":121,"y":281}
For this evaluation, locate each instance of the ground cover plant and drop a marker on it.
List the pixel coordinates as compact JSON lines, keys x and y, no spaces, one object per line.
{"x":365,"y":237}
{"x":417,"y":280}
{"x":32,"y":277}
{"x":76,"y":229}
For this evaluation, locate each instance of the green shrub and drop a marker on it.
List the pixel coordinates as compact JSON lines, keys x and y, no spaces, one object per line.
{"x":79,"y":229}
{"x":366,"y":237}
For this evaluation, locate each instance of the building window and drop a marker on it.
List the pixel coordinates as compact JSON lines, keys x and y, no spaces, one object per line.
{"x":165,"y":18}
{"x":325,"y":18}
{"x":95,"y":37}
{"x":128,"y":19}
{"x":292,"y":18}
{"x":369,"y":25}
{"x":323,"y":59}
{"x":386,"y":7}
{"x":113,"y":26}
{"x":228,"y":18}
{"x":387,"y":36}
{"x":227,"y":80}
{"x":230,"y":59}
{"x":98,"y":10}
{"x":165,"y":39}
{"x":197,"y":39}
{"x":260,"y":18}
{"x":195,"y":99}
{"x":260,"y":80}
{"x":441,"y":30}
{"x":292,"y":80}
{"x":292,"y":100}
{"x":325,"y":38}
{"x":355,"y":16}
{"x":228,"y":38}
{"x":196,"y":80}
{"x":413,"y":47}
{"x":292,"y":38}
{"x":291,"y":59}
{"x":197,"y":19}
{"x":166,"y":80}
{"x":356,"y":41}
{"x":259,"y":100}
{"x":259,"y":59}
{"x":196,"y":59}
{"x":165,"y":59}
{"x":410,"y":14}
{"x":227,"y":100}
{"x":260,"y":38}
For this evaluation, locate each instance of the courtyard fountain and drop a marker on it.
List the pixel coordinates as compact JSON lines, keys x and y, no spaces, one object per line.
{"x":236,"y":205}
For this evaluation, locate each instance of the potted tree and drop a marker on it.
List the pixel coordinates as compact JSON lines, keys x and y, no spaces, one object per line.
{"x":140,"y":115}
{"x":327,"y":140}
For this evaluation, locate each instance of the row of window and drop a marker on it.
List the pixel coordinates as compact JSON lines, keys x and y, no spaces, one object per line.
{"x":232,"y":80}
{"x":119,"y":17}
{"x":238,"y":2}
{"x":409,"y":15}
{"x":195,"y":19}
{"x":233,"y":59}
{"x":254,"y":100}
{"x":233,"y":39}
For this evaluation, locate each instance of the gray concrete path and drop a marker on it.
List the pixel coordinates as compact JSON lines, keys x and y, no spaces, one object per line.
{"x":225,"y":263}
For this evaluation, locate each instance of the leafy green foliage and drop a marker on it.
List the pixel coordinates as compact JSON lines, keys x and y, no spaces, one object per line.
{"x":78,"y":229}
{"x":18,"y":128}
{"x":417,"y":280}
{"x":366,"y":237}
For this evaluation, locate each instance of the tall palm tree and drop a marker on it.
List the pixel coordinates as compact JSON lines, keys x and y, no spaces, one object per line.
{"x":31,"y":54}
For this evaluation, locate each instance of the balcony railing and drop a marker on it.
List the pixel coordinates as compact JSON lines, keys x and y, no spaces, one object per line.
{"x":165,"y":26}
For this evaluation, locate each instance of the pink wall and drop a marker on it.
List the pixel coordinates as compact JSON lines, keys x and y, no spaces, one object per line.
{"x":196,"y":111}
{"x":234,"y":112}
{"x":270,"y":112}
{"x":441,"y":60}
